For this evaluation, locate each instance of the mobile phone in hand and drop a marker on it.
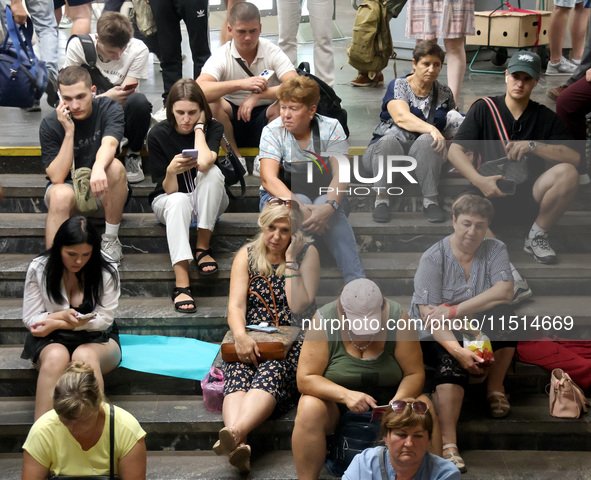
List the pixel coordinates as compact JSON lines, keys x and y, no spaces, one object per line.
{"x":267,"y":74}
{"x":506,"y":186}
{"x":86,"y":316}
{"x":191,"y":153}
{"x":130,"y":86}
{"x":258,"y":328}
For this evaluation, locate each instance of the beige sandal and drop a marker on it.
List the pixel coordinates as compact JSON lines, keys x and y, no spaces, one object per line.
{"x":499,"y":405}
{"x":455,"y":457}
{"x":240,"y":458}
{"x":229,"y":438}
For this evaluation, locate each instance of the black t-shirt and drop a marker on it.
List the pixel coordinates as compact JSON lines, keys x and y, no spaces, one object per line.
{"x":106,"y":120}
{"x":478,"y":132}
{"x":164,"y":142}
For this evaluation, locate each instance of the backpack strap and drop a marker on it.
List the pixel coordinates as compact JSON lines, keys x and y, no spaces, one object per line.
{"x":431,"y":115}
{"x":90,"y":56}
{"x":112,"y":442}
{"x":383,"y":463}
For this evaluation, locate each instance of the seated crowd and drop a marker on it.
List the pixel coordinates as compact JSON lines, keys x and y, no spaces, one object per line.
{"x":72,"y":289}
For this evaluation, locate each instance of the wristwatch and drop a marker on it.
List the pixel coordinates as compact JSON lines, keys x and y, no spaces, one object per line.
{"x":198,"y":126}
{"x":334,"y":204}
{"x":532,"y":145}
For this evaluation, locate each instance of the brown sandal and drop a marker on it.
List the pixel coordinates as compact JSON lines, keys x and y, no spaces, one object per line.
{"x":499,"y":405}
{"x":229,"y":438}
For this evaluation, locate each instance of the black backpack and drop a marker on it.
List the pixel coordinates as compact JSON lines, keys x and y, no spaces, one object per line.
{"x":101,"y":82}
{"x":330,"y":102}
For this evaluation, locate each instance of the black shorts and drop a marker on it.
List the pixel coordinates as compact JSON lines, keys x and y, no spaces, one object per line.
{"x":69,"y":339}
{"x":248,"y":134}
{"x":73,"y":3}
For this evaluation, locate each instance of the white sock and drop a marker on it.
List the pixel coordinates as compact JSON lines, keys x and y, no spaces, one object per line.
{"x":111,"y":229}
{"x":381,"y":200}
{"x":535,"y":229}
{"x":427,"y":202}
{"x":129,"y":152}
{"x":516,"y":275}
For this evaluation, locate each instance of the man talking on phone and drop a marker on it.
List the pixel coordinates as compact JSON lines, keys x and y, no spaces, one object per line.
{"x":83,"y":131}
{"x":121,"y":61}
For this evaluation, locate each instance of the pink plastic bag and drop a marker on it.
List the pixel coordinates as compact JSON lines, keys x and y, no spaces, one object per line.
{"x":213,"y":390}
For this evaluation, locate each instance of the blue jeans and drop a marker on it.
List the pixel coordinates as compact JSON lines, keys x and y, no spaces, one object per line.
{"x":339,"y":238}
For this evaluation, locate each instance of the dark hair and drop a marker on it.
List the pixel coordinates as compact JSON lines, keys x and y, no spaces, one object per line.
{"x":299,"y":89}
{"x":407,"y":419}
{"x":427,"y":47}
{"x":75,"y":231}
{"x":243,"y":12}
{"x":114,"y":29}
{"x":186,"y":89}
{"x":470,"y":204}
{"x":72,"y":75}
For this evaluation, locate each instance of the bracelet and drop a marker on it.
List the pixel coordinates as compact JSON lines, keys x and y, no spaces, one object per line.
{"x":453,"y":309}
{"x":294,"y":275}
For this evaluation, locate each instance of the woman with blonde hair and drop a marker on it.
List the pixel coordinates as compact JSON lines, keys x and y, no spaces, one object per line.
{"x":274,"y":276}
{"x":74,"y":439}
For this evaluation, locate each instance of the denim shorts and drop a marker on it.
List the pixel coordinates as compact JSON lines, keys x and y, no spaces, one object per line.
{"x":566,"y":3}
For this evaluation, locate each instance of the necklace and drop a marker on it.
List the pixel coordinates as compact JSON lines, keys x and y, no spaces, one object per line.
{"x":361,"y":349}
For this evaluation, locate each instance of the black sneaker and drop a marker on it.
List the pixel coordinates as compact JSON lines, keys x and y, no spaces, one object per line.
{"x":33,"y":108}
{"x":381,"y":213}
{"x":51,"y":90}
{"x":435,"y":213}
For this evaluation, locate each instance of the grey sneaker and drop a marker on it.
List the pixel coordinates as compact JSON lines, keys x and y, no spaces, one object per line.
{"x":563,"y":67}
{"x":256,"y":166}
{"x":540,"y":248}
{"x":521,"y":291}
{"x":243,"y":163}
{"x":133,"y":168}
{"x":111,"y":247}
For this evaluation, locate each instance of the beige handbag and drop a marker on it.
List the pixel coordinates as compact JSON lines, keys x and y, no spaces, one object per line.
{"x":566,"y":397}
{"x":85,"y":201}
{"x":144,"y":18}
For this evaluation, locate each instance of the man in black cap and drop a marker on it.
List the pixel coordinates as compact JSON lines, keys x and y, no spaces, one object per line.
{"x":534,"y":132}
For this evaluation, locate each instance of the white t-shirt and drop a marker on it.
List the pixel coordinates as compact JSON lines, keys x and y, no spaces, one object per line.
{"x":133,"y":61}
{"x":222,"y":66}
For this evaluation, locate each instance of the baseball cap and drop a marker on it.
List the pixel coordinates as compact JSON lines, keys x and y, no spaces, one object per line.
{"x":524,"y":61}
{"x":360,"y":299}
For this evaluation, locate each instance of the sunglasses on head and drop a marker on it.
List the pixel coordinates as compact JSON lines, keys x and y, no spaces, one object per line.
{"x":400,"y":406}
{"x":276,"y":202}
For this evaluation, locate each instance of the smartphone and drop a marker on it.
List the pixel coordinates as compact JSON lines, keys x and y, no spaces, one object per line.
{"x":191,"y":153}
{"x":130,"y":86}
{"x":59,"y":95}
{"x":258,"y":328}
{"x":266,"y":74}
{"x":378,"y":412}
{"x":506,"y":186}
{"x":86,"y":316}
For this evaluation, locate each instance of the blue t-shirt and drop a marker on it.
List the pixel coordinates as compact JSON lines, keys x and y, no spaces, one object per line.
{"x":366,"y":465}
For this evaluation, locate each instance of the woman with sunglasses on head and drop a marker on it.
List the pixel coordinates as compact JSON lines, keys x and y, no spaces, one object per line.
{"x":363,"y":364}
{"x":71,"y":293}
{"x":406,"y":428}
{"x":189,"y":184}
{"x":464,"y":275}
{"x":274,"y":277}
{"x":74,"y":439}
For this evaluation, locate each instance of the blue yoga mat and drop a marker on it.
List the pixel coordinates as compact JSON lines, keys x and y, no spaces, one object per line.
{"x":173,"y":356}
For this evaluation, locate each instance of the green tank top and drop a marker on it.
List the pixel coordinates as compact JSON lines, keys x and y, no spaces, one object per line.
{"x":379,"y":376}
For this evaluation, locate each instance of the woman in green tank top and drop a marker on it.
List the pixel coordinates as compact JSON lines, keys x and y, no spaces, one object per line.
{"x":374,"y":357}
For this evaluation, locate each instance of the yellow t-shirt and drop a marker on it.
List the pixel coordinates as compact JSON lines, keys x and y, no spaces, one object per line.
{"x":53,"y":446}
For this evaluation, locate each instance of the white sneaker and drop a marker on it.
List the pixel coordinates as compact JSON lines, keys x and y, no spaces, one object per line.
{"x":111,"y":247}
{"x":521,"y":291}
{"x":133,"y":167}
{"x":584,"y":179}
{"x":256,"y":167}
{"x":65,"y":22}
{"x":540,"y":248}
{"x":563,"y":67}
{"x":243,"y":163}
{"x":159,"y":116}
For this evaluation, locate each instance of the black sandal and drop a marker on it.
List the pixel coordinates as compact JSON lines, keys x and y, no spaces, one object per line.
{"x":176,"y":292}
{"x":201,"y":266}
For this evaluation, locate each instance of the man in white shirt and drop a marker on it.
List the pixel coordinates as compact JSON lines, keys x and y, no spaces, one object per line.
{"x":239,"y":97}
{"x":121,"y":61}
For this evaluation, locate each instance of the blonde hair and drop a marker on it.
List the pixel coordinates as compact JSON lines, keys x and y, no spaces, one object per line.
{"x":77,"y":392}
{"x":268,"y":215}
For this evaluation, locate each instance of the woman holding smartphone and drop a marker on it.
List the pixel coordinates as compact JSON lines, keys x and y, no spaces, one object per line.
{"x":183,"y":150}
{"x":71,"y":293}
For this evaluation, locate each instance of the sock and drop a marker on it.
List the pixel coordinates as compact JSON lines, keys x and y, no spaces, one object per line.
{"x":381,"y":200}
{"x":535,"y":229}
{"x":576,"y":62}
{"x":427,"y":202}
{"x":130,"y":152}
{"x":111,"y":229}
{"x":516,"y":275}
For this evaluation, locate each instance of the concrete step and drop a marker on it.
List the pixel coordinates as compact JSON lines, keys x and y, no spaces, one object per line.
{"x":24,"y":194}
{"x":406,"y":232}
{"x":152,"y":275}
{"x":482,"y":465}
{"x":182,"y":423}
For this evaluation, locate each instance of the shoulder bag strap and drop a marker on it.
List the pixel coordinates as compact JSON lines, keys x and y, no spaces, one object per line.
{"x":244,"y":67}
{"x":383,"y":463}
{"x":500,"y":126}
{"x":273,"y":316}
{"x":316,"y":136}
{"x":21,"y":37}
{"x":231,"y":154}
{"x":433,"y":102}
{"x":112,"y":441}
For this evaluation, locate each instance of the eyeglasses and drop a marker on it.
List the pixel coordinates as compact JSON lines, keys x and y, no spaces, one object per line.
{"x":400,"y":406}
{"x":276,"y":202}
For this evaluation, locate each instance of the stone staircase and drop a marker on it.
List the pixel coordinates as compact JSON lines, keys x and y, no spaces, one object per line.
{"x":181,"y":431}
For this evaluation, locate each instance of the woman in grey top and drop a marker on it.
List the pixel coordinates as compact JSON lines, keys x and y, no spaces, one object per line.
{"x":464,"y":275}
